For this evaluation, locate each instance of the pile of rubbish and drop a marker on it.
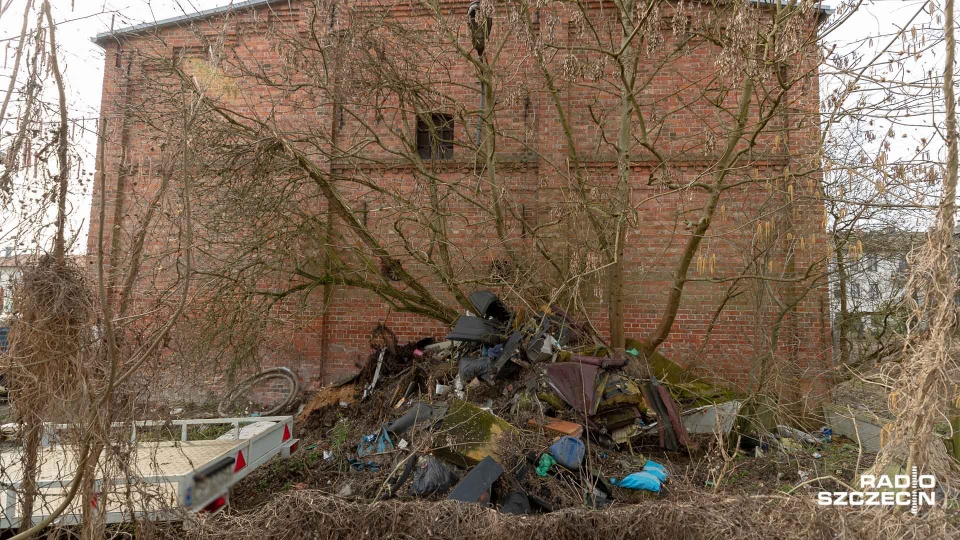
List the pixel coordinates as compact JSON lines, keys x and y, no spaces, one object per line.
{"x":514,"y":411}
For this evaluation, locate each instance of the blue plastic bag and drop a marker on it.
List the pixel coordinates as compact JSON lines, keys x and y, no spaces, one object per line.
{"x":656,"y":470}
{"x":568,"y":451}
{"x":640,"y":481}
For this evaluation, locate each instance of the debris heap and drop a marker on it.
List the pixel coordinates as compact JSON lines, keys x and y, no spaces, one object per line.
{"x":517,"y":411}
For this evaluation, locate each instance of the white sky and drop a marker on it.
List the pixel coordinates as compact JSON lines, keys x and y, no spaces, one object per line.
{"x":80,"y":20}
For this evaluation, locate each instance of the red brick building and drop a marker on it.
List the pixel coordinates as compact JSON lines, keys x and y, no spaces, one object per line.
{"x":755,"y":285}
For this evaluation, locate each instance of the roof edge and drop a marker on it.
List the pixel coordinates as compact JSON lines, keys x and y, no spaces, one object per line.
{"x":102,"y":37}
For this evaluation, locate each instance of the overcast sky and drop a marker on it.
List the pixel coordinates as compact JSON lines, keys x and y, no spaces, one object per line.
{"x":80,"y":20}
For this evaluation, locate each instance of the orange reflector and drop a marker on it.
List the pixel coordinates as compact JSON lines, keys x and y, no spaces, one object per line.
{"x":241,"y":463}
{"x":286,"y":433}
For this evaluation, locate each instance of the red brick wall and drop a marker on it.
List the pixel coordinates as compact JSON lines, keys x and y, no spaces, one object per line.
{"x":322,"y":340}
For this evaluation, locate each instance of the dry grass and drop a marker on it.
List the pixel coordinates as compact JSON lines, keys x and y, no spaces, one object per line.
{"x":315,"y":515}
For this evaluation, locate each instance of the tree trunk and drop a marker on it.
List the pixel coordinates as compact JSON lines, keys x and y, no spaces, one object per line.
{"x":843,"y":318}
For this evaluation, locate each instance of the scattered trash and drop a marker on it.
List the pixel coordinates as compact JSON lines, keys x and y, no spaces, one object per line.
{"x":475,"y":330}
{"x":719,"y":418}
{"x":507,"y":363}
{"x":576,"y":384}
{"x":476,"y":485}
{"x":750,"y":444}
{"x":656,"y":469}
{"x":376,"y":375}
{"x":796,"y":434}
{"x":528,"y":367}
{"x":640,"y":481}
{"x":543,"y":467}
{"x":361,"y":466}
{"x":559,"y":426}
{"x":817,"y":455}
{"x":826,"y":434}
{"x":516,"y":503}
{"x":489,"y":306}
{"x":378,"y":443}
{"x":396,"y":481}
{"x":543,"y":347}
{"x":671,"y":430}
{"x":624,"y":434}
{"x":476,"y":368}
{"x":788,"y":446}
{"x":431,"y":477}
{"x":418,"y":413}
{"x":568,"y":451}
{"x":598,"y":499}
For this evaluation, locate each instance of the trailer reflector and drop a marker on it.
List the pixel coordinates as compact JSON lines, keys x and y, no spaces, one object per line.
{"x":241,"y":463}
{"x":286,"y":433}
{"x":217,"y":504}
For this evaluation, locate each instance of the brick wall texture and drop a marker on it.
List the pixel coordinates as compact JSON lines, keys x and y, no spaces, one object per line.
{"x":772,"y":222}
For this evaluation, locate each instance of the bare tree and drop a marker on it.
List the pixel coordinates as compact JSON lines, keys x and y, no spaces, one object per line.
{"x":318,"y":184}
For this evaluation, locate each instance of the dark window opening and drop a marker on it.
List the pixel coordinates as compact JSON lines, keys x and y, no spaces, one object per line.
{"x":435,"y":136}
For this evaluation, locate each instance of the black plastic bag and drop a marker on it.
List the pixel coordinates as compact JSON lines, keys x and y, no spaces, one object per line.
{"x":431,"y":476}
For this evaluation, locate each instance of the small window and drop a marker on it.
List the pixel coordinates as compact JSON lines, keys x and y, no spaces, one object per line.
{"x":872,"y":263}
{"x":855,"y":291}
{"x":874,"y":290}
{"x":435,"y":136}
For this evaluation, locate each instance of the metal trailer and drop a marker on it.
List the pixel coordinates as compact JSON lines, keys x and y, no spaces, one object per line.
{"x":167,"y":480}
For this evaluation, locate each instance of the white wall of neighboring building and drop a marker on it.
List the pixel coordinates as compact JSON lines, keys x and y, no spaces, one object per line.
{"x":874,"y":284}
{"x":8,"y":273}
{"x":875,"y":280}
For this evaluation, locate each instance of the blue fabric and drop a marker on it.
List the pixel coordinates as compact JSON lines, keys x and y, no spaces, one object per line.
{"x":375,"y":443}
{"x":656,"y":470}
{"x":639,"y":480}
{"x":568,"y":451}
